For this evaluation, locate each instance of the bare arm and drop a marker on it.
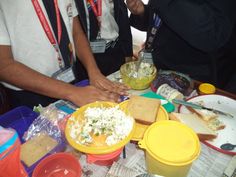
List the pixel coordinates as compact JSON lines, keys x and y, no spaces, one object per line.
{"x":24,"y":77}
{"x":85,"y":55}
{"x":83,"y":50}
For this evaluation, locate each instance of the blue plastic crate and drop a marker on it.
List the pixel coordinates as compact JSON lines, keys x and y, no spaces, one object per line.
{"x":19,"y":119}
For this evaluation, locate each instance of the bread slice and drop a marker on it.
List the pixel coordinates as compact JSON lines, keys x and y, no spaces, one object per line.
{"x":210,"y":117}
{"x":203,"y":113}
{"x":37,"y":147}
{"x":197,"y":124}
{"x":143,"y":109}
{"x":216,"y":124}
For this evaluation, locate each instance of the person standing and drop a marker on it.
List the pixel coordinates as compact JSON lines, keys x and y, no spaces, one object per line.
{"x":189,"y":36}
{"x":38,"y":44}
{"x":107,"y":27}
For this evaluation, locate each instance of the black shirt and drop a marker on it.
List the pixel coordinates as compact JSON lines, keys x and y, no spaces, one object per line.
{"x":193,"y":38}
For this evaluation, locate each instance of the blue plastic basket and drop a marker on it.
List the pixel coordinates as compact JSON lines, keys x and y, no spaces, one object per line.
{"x":19,"y":119}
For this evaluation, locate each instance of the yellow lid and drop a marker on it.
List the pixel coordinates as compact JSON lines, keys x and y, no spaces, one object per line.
{"x":207,"y":88}
{"x":171,"y":143}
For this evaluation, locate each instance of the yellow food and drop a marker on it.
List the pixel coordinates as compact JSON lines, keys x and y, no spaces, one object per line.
{"x":37,"y":147}
{"x":143,"y":109}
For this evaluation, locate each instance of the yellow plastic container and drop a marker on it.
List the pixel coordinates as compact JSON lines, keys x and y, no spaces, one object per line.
{"x":206,"y":88}
{"x":79,"y":115}
{"x":171,"y":147}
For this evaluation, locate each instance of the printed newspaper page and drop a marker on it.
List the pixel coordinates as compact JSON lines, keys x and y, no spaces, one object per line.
{"x":209,"y":164}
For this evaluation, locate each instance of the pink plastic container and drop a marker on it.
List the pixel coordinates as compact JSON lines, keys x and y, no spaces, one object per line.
{"x":10,"y":164}
{"x":104,"y":159}
{"x":58,"y":165}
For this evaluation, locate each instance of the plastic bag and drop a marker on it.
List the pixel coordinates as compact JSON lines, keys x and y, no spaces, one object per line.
{"x":49,"y":121}
{"x":10,"y":164}
{"x":176,"y":80}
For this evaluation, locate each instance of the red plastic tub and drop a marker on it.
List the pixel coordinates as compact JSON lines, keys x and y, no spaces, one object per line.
{"x":58,"y":165}
{"x":104,"y":159}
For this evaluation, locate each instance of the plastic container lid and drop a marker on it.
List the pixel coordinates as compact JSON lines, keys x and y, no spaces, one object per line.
{"x":207,"y":88}
{"x":171,"y":143}
{"x":7,"y":139}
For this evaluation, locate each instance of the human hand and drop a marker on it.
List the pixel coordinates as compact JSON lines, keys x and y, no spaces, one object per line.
{"x":136,"y":7}
{"x":101,"y":82}
{"x":84,"y":95}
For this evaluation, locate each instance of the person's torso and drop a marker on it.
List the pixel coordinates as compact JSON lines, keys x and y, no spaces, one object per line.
{"x":109,"y":27}
{"x":171,"y":51}
{"x":29,"y":42}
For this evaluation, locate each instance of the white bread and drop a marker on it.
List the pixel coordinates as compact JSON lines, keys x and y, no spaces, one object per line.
{"x":35,"y":148}
{"x":143,"y":109}
{"x":198,"y":125}
{"x":203,"y":113}
{"x":216,"y":124}
{"x":210,"y":117}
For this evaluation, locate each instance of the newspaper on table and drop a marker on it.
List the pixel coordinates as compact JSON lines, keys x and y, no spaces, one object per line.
{"x":230,"y":171}
{"x":209,"y":164}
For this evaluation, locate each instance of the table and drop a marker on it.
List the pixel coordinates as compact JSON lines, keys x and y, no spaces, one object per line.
{"x":210,"y":163}
{"x":218,"y":91}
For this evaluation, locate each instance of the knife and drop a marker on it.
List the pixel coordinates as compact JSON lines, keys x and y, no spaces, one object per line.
{"x":197,"y":106}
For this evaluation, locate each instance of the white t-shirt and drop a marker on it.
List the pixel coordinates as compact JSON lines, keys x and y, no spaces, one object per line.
{"x":21,"y":29}
{"x":109,"y":27}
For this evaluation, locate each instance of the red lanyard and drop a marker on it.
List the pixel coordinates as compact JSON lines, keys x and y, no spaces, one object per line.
{"x":59,"y":30}
{"x":97,"y":9}
{"x":47,"y":28}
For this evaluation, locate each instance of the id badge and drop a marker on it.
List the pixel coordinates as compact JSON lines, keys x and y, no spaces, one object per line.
{"x":98,"y":46}
{"x":147,"y":56}
{"x":66,"y":75}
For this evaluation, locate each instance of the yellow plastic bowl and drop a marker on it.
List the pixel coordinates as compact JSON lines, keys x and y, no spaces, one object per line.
{"x":94,"y":149}
{"x":136,"y":83}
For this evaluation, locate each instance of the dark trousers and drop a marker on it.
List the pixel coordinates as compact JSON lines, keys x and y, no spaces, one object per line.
{"x":26,"y":98}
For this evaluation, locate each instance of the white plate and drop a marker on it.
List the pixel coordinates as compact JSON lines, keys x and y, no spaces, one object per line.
{"x":225,"y":104}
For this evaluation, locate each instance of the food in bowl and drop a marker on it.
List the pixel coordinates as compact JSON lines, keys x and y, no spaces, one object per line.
{"x":138,"y":76}
{"x":101,"y":126}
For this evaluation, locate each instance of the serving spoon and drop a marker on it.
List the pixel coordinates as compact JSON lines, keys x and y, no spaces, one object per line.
{"x":228,"y":146}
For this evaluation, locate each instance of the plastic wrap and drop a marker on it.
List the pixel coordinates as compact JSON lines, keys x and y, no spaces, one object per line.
{"x":49,"y":121}
{"x":176,"y":80}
